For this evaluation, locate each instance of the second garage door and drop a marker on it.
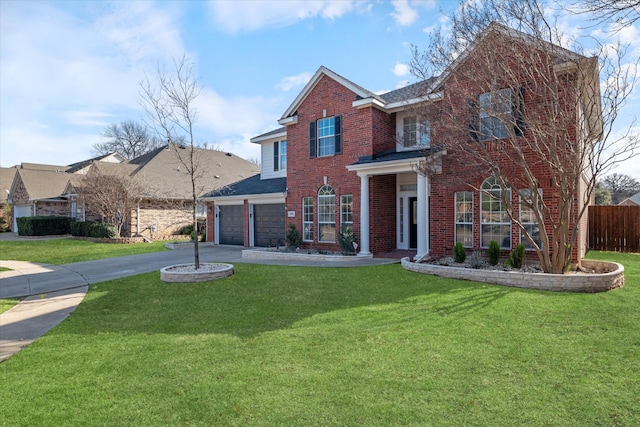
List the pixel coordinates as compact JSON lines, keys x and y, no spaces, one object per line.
{"x":230,"y":220}
{"x":269,"y":225}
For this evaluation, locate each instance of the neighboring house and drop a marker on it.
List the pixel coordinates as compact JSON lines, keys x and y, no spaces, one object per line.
{"x":631,"y":201}
{"x":164,"y":204}
{"x":6,"y":179}
{"x":348,"y":157}
{"x":41,"y":189}
{"x":39,"y":192}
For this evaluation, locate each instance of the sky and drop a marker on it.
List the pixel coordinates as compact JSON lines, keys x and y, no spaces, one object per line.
{"x":68,"y":69}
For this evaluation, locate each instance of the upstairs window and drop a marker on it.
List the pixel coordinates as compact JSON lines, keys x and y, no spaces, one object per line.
{"x":414,"y":133}
{"x":325,"y":137}
{"x":497,"y":115}
{"x":280,"y":155}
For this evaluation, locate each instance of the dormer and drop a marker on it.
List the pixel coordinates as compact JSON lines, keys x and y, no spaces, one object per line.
{"x":273,"y":153}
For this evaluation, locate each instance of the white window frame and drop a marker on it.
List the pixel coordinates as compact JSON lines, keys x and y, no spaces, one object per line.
{"x":527,"y":213}
{"x":326,"y":214}
{"x":413,"y":134}
{"x":495,"y":114}
{"x":326,"y":137}
{"x":466,"y":216}
{"x":282,"y":155}
{"x":491,"y":194}
{"x":346,"y":211}
{"x":307,"y":219}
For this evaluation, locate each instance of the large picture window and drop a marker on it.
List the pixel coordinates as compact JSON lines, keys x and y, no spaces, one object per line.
{"x":528,"y":218}
{"x":326,"y":214}
{"x":464,"y":218}
{"x":307,"y":219}
{"x":495,"y":222}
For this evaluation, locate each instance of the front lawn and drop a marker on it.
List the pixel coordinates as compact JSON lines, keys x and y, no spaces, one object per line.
{"x":374,"y":346}
{"x":64,"y":251}
{"x":7,"y":304}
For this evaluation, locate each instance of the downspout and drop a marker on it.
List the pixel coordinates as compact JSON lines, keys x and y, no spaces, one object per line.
{"x":138,"y":218}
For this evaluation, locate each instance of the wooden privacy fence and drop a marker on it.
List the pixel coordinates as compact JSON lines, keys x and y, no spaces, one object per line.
{"x":614,"y":228}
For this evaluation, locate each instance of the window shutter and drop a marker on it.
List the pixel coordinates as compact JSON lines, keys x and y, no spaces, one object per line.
{"x":275,"y":156}
{"x":338,"y":134}
{"x":312,"y":139}
{"x":474,"y":118}
{"x":518,"y":110}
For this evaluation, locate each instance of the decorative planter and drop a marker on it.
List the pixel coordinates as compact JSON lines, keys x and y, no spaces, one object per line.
{"x":611,"y":278}
{"x":186,"y":273}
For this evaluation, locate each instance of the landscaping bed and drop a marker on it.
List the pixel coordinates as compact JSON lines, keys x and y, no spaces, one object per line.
{"x":304,"y":254}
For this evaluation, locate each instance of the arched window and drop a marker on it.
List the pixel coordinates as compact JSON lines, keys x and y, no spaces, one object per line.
{"x":495,"y":221}
{"x":326,"y":214}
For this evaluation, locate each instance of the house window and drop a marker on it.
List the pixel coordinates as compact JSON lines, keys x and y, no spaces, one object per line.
{"x":346,"y":211}
{"x":498,"y":114}
{"x":326,"y":214}
{"x":307,"y":219}
{"x":325,"y":137}
{"x":495,"y":223}
{"x":415,"y":134}
{"x":280,"y":155}
{"x":464,"y":218}
{"x":528,"y":218}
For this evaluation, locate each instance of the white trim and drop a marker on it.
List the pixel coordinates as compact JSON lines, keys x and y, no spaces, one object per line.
{"x":252,"y":198}
{"x":269,"y":138}
{"x":252,"y":227}
{"x":286,"y":121}
{"x":368,"y":102}
{"x":386,"y":168}
{"x":393,"y":107}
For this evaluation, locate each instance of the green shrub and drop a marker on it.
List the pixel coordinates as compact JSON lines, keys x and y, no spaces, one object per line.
{"x":187,"y":230}
{"x":292,"y":237}
{"x":516,"y":256}
{"x":347,"y":238}
{"x":459,"y":253}
{"x":494,"y":252}
{"x":93,"y":229}
{"x":43,"y":225}
{"x":203,"y":236}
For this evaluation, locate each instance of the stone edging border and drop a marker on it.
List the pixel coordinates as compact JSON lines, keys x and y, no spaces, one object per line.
{"x":266,"y":254}
{"x":583,"y":282}
{"x":166,"y":275}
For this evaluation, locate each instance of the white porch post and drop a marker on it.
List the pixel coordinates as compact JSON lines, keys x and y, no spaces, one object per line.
{"x":364,"y":216}
{"x":423,"y":217}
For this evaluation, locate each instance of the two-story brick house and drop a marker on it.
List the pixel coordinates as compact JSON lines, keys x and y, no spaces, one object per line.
{"x":347,"y":157}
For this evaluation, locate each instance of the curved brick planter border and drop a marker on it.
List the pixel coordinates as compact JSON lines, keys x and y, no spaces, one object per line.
{"x":582,"y":282}
{"x":166,"y":275}
{"x":266,"y":254}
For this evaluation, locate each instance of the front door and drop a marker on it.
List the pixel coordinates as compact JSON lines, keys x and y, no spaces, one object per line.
{"x":413,"y":222}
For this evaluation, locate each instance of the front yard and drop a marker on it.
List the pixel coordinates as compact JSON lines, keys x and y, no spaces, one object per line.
{"x":370,"y":346}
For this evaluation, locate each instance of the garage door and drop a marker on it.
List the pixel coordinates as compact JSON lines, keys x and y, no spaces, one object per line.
{"x":19,"y":212}
{"x":230,"y":220}
{"x":269,"y":225}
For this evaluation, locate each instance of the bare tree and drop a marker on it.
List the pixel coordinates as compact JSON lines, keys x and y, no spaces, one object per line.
{"x":110,"y":194}
{"x":169,"y":101}
{"x":620,"y":186}
{"x":129,"y":138}
{"x":602,"y":196}
{"x":620,"y":13}
{"x":521,"y":109}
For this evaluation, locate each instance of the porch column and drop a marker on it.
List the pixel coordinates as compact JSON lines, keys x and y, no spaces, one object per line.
{"x":423,"y":217}
{"x":364,"y":216}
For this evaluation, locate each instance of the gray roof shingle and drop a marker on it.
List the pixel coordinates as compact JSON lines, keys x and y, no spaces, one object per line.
{"x":252,"y":185}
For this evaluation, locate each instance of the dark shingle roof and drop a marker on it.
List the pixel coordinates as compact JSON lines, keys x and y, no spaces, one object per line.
{"x":408,"y":92}
{"x":389,"y":156}
{"x":252,"y":185}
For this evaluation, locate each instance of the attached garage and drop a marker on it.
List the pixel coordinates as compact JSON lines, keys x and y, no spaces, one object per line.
{"x":19,"y":212}
{"x":269,"y":225}
{"x":231,"y":220}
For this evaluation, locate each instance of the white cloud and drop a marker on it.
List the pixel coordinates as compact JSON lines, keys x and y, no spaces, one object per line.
{"x":291,"y":82}
{"x":401,"y":70}
{"x":242,"y":16}
{"x":403,"y":13}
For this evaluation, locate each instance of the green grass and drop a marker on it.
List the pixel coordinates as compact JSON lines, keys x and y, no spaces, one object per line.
{"x":64,"y":251}
{"x":7,"y":304}
{"x":5,"y":269}
{"x":293,"y":346}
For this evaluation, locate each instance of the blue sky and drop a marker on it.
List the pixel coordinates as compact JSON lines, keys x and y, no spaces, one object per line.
{"x":70,"y":68}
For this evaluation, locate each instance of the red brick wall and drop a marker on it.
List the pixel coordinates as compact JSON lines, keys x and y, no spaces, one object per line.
{"x":305,"y":176}
{"x":382,"y":210}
